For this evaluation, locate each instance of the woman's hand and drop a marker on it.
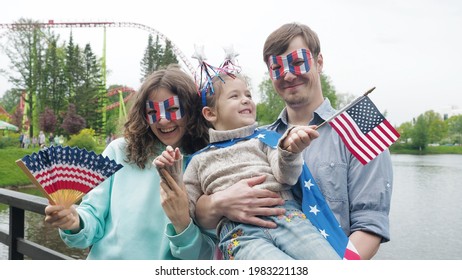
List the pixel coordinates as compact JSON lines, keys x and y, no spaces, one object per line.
{"x":175,"y":202}
{"x":63,"y":218}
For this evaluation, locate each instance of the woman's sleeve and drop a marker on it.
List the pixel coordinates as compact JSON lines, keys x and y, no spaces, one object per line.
{"x":192,"y":243}
{"x":93,"y":211}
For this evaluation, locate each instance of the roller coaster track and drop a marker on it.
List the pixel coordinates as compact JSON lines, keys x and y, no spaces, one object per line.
{"x":52,"y":24}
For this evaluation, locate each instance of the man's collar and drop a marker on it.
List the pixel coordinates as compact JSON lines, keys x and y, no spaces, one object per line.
{"x":322,"y":113}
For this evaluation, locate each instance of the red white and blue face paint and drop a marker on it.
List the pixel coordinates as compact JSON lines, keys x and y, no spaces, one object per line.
{"x":169,"y":109}
{"x":297,"y":62}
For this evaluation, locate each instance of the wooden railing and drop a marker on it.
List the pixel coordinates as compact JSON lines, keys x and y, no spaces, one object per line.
{"x":19,"y":246}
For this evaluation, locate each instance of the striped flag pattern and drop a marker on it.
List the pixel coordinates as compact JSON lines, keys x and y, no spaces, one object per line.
{"x":364,"y":130}
{"x":64,"y":172}
{"x":286,"y":64}
{"x":163,"y":109}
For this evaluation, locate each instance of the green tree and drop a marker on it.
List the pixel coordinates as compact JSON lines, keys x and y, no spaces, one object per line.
{"x":53,"y":75}
{"x":152,"y":58}
{"x":405,"y":130}
{"x":73,"y":68}
{"x":328,"y":90}
{"x":271,"y":103}
{"x":25,"y":48}
{"x":54,"y":79}
{"x":455,"y":128}
{"x":169,"y":56}
{"x":10,"y":100}
{"x":437,"y":128}
{"x":420,"y":133}
{"x":91,"y":91}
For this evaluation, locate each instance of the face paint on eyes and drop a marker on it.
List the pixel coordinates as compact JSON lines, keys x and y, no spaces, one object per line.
{"x":297,"y":62}
{"x":169,"y":109}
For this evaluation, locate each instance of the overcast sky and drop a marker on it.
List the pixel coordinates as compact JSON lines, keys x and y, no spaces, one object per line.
{"x":410,"y":50}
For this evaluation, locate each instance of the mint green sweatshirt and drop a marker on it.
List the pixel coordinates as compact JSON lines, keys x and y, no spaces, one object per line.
{"x":123,"y":219}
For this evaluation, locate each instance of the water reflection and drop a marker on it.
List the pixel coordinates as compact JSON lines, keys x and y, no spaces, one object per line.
{"x":38,"y":231}
{"x":425,"y":212}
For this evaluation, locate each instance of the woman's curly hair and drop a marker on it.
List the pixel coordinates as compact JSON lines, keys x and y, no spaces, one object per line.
{"x":142,"y":144}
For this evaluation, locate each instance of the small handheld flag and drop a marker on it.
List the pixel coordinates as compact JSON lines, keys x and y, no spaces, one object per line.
{"x":363,"y":129}
{"x":64,"y":174}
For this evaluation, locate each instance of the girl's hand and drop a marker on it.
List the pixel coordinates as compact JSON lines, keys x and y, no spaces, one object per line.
{"x":168,"y":157}
{"x":299,"y":138}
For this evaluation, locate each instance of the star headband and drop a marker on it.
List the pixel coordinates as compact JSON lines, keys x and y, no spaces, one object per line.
{"x":204,"y":80}
{"x":169,"y":109}
{"x":297,"y":62}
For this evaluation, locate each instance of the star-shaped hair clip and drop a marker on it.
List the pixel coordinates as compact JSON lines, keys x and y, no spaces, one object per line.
{"x":204,"y":75}
{"x":230,"y":65}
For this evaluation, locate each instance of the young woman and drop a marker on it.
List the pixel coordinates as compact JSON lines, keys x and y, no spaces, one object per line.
{"x":123,"y":218}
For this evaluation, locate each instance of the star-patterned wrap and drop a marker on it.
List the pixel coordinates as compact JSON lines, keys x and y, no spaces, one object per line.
{"x":314,"y":206}
{"x":321,"y":216}
{"x":68,"y":173}
{"x":364,"y":130}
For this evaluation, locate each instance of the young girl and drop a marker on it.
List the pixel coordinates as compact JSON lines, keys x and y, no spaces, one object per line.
{"x":123,"y":218}
{"x":236,"y":152}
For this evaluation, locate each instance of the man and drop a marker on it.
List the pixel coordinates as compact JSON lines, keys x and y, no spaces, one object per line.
{"x":359,"y":195}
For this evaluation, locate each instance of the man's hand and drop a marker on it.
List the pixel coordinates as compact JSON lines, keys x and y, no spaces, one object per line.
{"x":240,"y":203}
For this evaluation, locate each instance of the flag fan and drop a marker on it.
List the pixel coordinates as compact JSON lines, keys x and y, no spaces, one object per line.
{"x":65,"y":174}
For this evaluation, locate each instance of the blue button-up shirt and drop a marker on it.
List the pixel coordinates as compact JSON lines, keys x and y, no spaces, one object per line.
{"x":359,"y":195}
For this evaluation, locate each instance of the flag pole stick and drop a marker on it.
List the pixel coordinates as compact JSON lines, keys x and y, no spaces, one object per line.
{"x":354,"y":102}
{"x":23,"y":167}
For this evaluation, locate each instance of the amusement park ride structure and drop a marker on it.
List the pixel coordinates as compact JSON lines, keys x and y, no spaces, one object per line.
{"x":11,"y":27}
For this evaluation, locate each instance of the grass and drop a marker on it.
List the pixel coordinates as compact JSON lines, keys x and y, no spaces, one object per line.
{"x":430,"y":150}
{"x":10,"y":173}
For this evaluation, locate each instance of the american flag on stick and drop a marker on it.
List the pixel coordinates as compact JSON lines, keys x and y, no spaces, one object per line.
{"x":363,"y":129}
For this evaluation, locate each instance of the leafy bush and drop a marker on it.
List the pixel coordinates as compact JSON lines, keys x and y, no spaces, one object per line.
{"x":85,"y":139}
{"x":10,"y":140}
